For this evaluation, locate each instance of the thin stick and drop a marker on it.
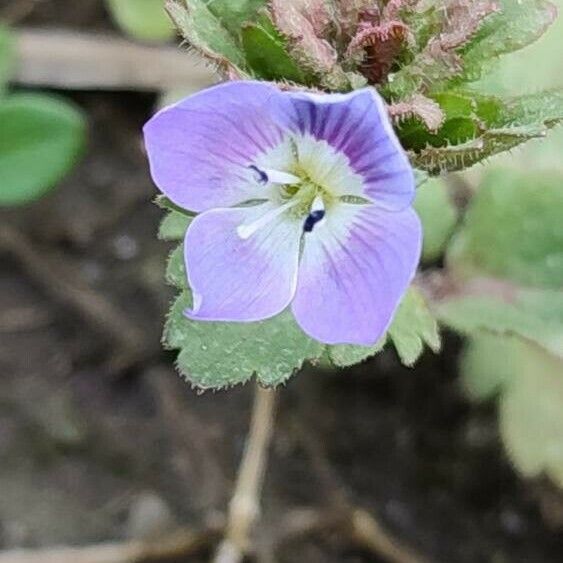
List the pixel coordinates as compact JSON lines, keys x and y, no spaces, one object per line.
{"x":87,"y":61}
{"x":245,"y":503}
{"x":174,"y":547}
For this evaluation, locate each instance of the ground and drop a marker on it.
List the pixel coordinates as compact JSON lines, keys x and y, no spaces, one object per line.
{"x":100,"y":439}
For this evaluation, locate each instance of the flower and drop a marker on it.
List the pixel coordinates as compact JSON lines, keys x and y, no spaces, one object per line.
{"x":304,"y":200}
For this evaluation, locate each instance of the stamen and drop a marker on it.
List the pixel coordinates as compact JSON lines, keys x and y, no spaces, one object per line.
{"x":312,"y":219}
{"x":265,"y":175}
{"x":260,"y":176}
{"x":278,"y":177}
{"x":245,"y":231}
{"x":318,"y":204}
{"x":316,"y":215}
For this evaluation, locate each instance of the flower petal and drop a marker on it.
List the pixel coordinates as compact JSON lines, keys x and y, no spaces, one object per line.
{"x":358,"y":126}
{"x":355,"y":268}
{"x":236,"y":279}
{"x":200,"y":149}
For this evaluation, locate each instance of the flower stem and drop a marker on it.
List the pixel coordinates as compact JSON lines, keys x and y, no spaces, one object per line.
{"x":244,"y":507}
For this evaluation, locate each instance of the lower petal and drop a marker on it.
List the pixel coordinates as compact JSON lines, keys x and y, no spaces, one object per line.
{"x":236,"y":279}
{"x":355,"y":268}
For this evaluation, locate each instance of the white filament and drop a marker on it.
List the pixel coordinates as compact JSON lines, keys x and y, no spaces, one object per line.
{"x":278,"y":177}
{"x":245,"y":231}
{"x":318,"y":204}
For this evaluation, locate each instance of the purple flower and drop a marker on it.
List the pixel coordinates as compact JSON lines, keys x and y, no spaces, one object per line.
{"x":304,"y":200}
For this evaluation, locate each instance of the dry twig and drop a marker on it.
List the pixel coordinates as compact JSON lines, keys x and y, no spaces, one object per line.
{"x":174,"y":548}
{"x":245,"y":503}
{"x":72,"y":60}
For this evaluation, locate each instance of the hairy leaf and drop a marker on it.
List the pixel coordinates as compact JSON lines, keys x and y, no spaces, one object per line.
{"x":533,"y":69}
{"x":299,"y":22}
{"x":413,"y":328}
{"x":451,"y":158}
{"x":219,"y":355}
{"x":464,"y":37}
{"x":544,"y":109}
{"x":267,"y":55}
{"x":234,"y":13}
{"x":347,"y":355}
{"x":174,"y":226}
{"x":176,"y":269}
{"x":465,"y":115}
{"x":491,"y":128}
{"x":205,"y":32}
{"x":517,"y":24}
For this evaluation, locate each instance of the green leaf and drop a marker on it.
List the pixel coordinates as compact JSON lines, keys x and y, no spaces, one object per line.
{"x":41,"y":138}
{"x":6,"y":58}
{"x":488,"y":365}
{"x":518,"y":24}
{"x":521,"y":72}
{"x":465,"y":115}
{"x":142,"y":19}
{"x":439,"y":217}
{"x":219,"y":355}
{"x":205,"y":32}
{"x":174,"y":226}
{"x":234,"y":13}
{"x":531,"y":416}
{"x":451,"y":158}
{"x":347,"y":355}
{"x":267,"y":55}
{"x":176,"y":269}
{"x":533,"y":314}
{"x":413,"y":327}
{"x":478,"y":127}
{"x":542,"y":110}
{"x":513,"y":229}
{"x":529,"y":384}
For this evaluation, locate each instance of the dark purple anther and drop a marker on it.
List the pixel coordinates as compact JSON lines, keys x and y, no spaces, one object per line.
{"x":260,"y":175}
{"x":312,"y":219}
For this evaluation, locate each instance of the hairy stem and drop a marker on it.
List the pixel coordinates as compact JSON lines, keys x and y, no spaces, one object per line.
{"x":245,"y":502}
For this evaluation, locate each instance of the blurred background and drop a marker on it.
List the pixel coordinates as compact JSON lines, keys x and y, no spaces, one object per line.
{"x":101,"y":441}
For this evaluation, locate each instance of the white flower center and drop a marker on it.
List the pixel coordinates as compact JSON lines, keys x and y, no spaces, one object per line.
{"x":303,"y":176}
